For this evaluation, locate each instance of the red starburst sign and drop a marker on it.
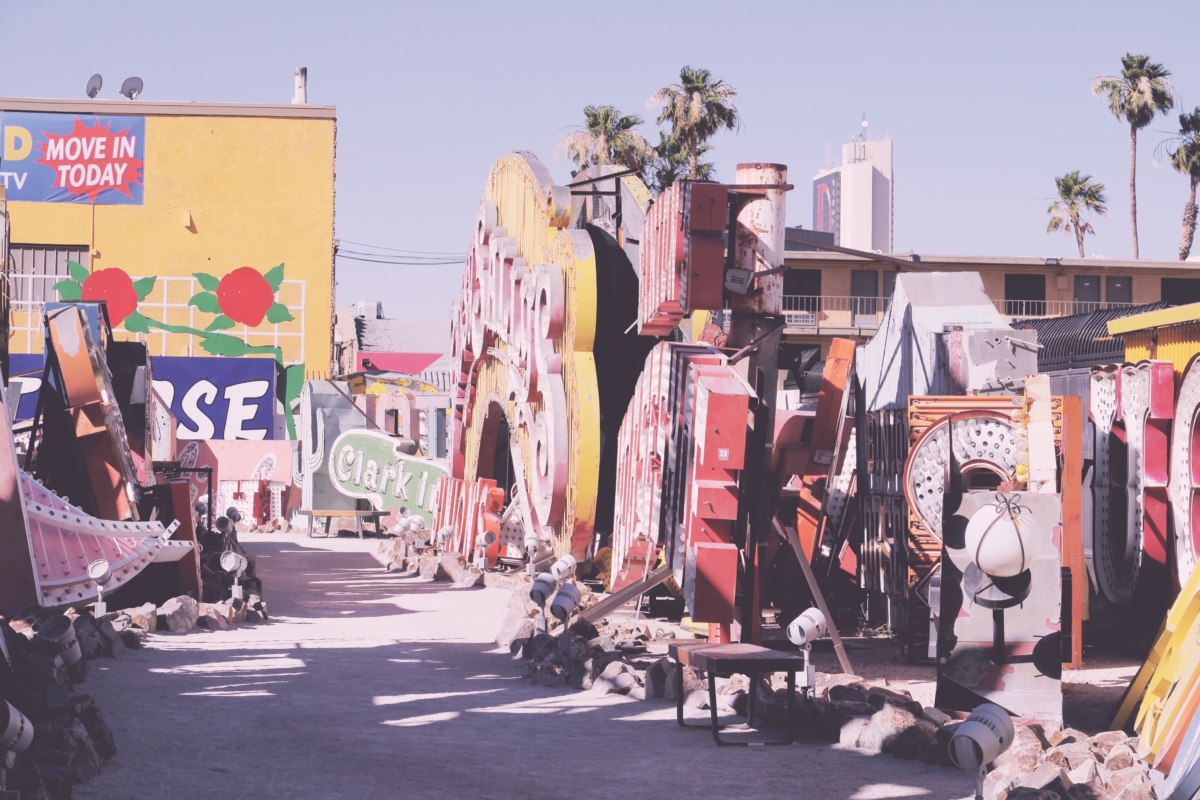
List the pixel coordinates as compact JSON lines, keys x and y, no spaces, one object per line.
{"x":92,"y":159}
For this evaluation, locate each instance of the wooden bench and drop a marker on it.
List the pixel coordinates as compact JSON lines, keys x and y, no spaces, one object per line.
{"x":375,"y":516}
{"x":724,"y":660}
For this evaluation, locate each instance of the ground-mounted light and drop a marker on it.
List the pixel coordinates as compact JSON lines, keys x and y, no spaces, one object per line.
{"x":235,"y":563}
{"x":986,"y":734}
{"x":100,"y":571}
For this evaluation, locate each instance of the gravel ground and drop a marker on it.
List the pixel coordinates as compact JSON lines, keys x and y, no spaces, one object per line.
{"x":366,"y":685}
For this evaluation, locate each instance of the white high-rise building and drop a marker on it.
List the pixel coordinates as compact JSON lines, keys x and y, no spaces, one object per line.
{"x":854,"y":201}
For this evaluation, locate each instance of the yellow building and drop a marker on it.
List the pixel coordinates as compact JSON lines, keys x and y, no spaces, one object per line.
{"x":163,"y":206}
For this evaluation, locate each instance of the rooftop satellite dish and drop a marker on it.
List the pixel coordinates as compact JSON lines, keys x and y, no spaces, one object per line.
{"x":131,"y":88}
{"x":93,"y":85}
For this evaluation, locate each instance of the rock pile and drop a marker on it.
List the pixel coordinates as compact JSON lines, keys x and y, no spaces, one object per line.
{"x":410,"y":555}
{"x":72,"y":743}
{"x":217,"y":583}
{"x":874,"y":717}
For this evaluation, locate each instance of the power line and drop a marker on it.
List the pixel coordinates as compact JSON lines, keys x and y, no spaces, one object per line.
{"x":350,"y":257}
{"x":458,"y":256}
{"x":399,"y":250}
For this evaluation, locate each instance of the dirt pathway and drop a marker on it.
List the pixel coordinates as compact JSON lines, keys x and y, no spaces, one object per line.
{"x":366,"y":686}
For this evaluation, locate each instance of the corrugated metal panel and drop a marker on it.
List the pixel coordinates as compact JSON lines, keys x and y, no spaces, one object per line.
{"x":1079,"y":341}
{"x":1176,"y":344}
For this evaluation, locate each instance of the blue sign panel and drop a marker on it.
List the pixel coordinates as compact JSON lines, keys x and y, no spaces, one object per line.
{"x":73,"y":158}
{"x":218,"y":398}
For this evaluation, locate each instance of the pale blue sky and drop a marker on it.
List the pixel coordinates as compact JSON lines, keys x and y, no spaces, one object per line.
{"x":986,"y":103}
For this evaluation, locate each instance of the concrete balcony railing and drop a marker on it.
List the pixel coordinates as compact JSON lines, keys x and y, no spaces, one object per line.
{"x":1026,"y":309}
{"x":832,"y":311}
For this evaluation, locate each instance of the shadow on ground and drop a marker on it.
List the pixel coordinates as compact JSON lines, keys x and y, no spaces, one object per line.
{"x":366,"y":685}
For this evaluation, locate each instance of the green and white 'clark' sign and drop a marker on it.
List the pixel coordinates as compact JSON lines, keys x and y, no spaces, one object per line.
{"x":369,"y":465}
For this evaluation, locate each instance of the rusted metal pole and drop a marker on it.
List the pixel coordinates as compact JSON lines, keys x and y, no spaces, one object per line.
{"x":758,"y":247}
{"x":789,"y":535}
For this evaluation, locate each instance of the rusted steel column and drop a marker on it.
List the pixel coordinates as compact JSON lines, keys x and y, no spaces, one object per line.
{"x":758,"y":246}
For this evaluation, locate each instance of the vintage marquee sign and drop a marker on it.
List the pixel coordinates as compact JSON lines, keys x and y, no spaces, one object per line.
{"x":522,"y":335}
{"x":366,"y":464}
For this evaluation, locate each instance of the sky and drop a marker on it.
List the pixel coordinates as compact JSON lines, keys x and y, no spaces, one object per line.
{"x":986,"y":103}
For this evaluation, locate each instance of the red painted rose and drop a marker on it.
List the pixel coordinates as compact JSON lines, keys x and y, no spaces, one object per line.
{"x":116,"y":289}
{"x":245,"y":296}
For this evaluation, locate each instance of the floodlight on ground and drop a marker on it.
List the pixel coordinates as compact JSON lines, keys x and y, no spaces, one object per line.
{"x":57,"y":636}
{"x":986,"y":734}
{"x":543,"y":586}
{"x":16,"y":734}
{"x":443,"y":536}
{"x":565,"y":602}
{"x":416,"y":523}
{"x":233,"y":514}
{"x":805,"y":628}
{"x":235,"y":563}
{"x":564,"y":567}
{"x":483,"y":542}
{"x":100,"y":571}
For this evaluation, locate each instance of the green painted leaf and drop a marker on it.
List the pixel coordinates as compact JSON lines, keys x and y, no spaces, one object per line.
{"x":274,"y":277}
{"x":220,"y":344}
{"x":68,"y":291}
{"x":221,"y":323}
{"x":294,"y":384}
{"x":278,"y":313}
{"x":143,"y":287}
{"x":77,"y":270}
{"x":137,"y":323}
{"x":206,"y":302}
{"x":207,"y":281}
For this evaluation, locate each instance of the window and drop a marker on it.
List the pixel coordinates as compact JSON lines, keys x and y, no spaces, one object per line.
{"x":1087,"y":293}
{"x":1025,"y":295}
{"x":1180,"y":291}
{"x":864,"y":289}
{"x":35,"y":268}
{"x":1118,"y":289}
{"x":889,"y":284}
{"x":802,"y":296}
{"x":804,"y":282}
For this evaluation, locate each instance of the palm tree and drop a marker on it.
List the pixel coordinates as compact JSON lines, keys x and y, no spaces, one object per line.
{"x":697,"y":107}
{"x":1076,"y":194}
{"x":606,"y":137}
{"x":670,"y":162}
{"x":1137,"y":95}
{"x":1183,"y":151}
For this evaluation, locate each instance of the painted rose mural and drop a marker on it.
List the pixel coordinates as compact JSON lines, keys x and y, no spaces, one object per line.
{"x":243,"y":296}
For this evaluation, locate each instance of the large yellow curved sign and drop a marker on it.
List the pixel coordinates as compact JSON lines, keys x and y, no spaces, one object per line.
{"x":523,"y":333}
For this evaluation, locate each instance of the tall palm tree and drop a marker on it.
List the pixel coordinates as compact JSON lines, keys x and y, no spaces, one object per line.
{"x":1076,"y":195}
{"x":606,"y":137}
{"x":670,"y":162}
{"x":697,"y":107}
{"x":1183,"y":151}
{"x":1137,"y":95}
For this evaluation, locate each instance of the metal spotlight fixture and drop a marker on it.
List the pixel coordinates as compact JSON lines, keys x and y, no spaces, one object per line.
{"x":16,"y":734}
{"x":564,"y":567}
{"x":986,"y":734}
{"x":803,"y":631}
{"x":100,"y":571}
{"x":237,"y":564}
{"x":543,"y":586}
{"x":565,"y":602}
{"x":57,"y":635}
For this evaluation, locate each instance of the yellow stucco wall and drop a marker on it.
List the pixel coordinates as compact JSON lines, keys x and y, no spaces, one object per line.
{"x":260,"y":193}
